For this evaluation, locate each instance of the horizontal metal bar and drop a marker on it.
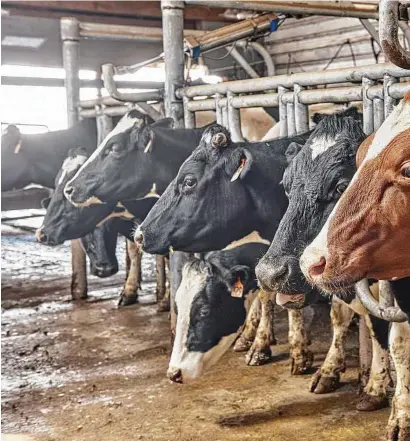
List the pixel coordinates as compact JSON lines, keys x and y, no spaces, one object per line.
{"x":109,"y":111}
{"x":329,"y":95}
{"x":340,"y":9}
{"x":315,"y":78}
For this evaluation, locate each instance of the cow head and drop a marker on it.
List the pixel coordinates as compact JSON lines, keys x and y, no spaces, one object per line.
{"x":368,"y":232}
{"x":15,"y":167}
{"x":314,"y":181}
{"x":213,"y":190}
{"x":125,"y":165}
{"x":210,"y":307}
{"x":63,"y":221}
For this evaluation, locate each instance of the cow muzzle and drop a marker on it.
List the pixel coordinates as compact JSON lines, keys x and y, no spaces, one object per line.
{"x":175,"y":375}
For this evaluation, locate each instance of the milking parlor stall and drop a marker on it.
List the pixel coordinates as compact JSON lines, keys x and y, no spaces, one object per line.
{"x":140,"y":297}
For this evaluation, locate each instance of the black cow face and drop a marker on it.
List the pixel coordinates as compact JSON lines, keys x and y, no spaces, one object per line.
{"x":125,"y":165}
{"x":14,"y":165}
{"x":209,"y":315}
{"x":63,"y":221}
{"x":313,"y":183}
{"x":209,"y":204}
{"x":100,"y":247}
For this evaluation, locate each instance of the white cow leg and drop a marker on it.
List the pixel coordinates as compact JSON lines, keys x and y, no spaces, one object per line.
{"x":260,"y":352}
{"x":301,"y":357}
{"x":398,"y":428}
{"x":327,"y":377}
{"x":248,"y":334}
{"x":374,"y":396}
{"x":129,"y":294}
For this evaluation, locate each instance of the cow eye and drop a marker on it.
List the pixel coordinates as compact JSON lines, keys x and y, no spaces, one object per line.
{"x":405,"y":170}
{"x":116,"y":149}
{"x":341,"y":187}
{"x":189,"y":183}
{"x":204,"y":311}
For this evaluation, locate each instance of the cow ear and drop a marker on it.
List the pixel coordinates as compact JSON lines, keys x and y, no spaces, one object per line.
{"x":165,"y":123}
{"x":238,"y":278}
{"x":292,"y":150}
{"x":317,"y":117}
{"x":45,"y":202}
{"x":239,"y":164}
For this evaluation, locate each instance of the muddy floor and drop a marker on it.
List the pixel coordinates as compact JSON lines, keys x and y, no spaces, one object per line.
{"x":92,"y":372}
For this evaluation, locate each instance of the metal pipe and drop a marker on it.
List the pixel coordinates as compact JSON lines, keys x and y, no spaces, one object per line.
{"x":389,"y":34}
{"x":234,"y":120}
{"x":389,"y":99}
{"x":109,"y":83}
{"x":263,"y":52}
{"x":70,"y":41}
{"x":301,"y":112}
{"x":406,"y":30}
{"x":391,"y":314}
{"x":339,"y":9}
{"x":290,"y":110}
{"x":107,"y":101}
{"x":242,"y":61}
{"x":149,"y":110}
{"x":370,"y":29}
{"x":315,"y":78}
{"x":368,"y":126}
{"x":104,"y":124}
{"x":189,"y":117}
{"x":173,"y":42}
{"x":283,"y":114}
{"x":109,"y":111}
{"x":225,"y":119}
{"x":217,"y":108}
{"x":378,"y":113}
{"x":329,"y":95}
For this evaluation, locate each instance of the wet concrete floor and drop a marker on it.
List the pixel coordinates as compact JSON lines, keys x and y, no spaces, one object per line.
{"x":92,"y":372}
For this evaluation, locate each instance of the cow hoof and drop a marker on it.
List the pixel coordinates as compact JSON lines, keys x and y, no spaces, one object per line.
{"x":302,"y":364}
{"x":163,"y":305}
{"x":242,"y":344}
{"x":322,"y":384}
{"x":368,"y":403}
{"x":256,"y":357}
{"x":125,"y":300}
{"x":398,"y":429}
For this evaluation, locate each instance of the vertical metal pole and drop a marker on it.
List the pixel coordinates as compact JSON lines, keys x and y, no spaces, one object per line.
{"x":283,"y":114}
{"x":173,"y":42}
{"x":290,"y":110}
{"x":378,"y":113}
{"x":70,"y":36}
{"x":234,"y":119}
{"x":225,"y":121}
{"x":189,"y":117}
{"x":104,"y":124}
{"x":368,"y":125}
{"x":389,"y":102}
{"x":218,"y":109}
{"x":301,"y":112}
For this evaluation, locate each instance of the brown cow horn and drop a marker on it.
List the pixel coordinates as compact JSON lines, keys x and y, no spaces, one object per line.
{"x":380,"y":310}
{"x":219,"y":140}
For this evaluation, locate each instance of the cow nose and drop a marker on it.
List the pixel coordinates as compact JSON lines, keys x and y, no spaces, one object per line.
{"x":175,"y":375}
{"x":104,"y":270}
{"x":270,"y":275}
{"x":317,"y":268}
{"x":41,"y":236}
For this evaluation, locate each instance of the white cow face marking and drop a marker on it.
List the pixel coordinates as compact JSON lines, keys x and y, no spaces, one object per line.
{"x":70,"y":165}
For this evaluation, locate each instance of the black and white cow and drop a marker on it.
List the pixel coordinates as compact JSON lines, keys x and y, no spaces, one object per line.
{"x":313,"y":182}
{"x":36,"y":159}
{"x":210,"y":304}
{"x":223,"y":192}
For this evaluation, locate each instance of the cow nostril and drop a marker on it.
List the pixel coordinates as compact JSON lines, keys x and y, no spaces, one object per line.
{"x":68,"y":190}
{"x":41,"y":236}
{"x":175,"y":375}
{"x":317,"y":268}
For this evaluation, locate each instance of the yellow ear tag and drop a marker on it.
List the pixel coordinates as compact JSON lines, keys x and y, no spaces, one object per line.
{"x":239,"y":170}
{"x":18,"y":147}
{"x":237,"y":289}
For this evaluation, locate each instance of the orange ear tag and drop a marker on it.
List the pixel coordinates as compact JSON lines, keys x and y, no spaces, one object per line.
{"x":239,"y":170}
{"x":237,"y":289}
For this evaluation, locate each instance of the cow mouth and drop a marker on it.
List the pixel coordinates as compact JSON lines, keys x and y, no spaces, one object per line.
{"x":291,"y":301}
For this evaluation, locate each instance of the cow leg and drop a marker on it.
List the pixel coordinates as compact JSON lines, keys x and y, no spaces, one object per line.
{"x":248,"y":334}
{"x":79,"y":271}
{"x":260,"y":351}
{"x":301,"y":357}
{"x":161,"y":291}
{"x":398,"y":428}
{"x":374,"y":396}
{"x":327,"y":377}
{"x":129,"y":293}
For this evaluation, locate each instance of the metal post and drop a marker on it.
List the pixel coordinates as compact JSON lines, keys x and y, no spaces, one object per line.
{"x":173,"y":37}
{"x":234,"y":120}
{"x":301,"y":112}
{"x":290,"y":110}
{"x":104,"y":124}
{"x":368,"y":126}
{"x":70,"y":36}
{"x":225,"y":121}
{"x":218,"y":109}
{"x":283,"y":114}
{"x":389,"y":102}
{"x":189,"y":117}
{"x":378,"y":112}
